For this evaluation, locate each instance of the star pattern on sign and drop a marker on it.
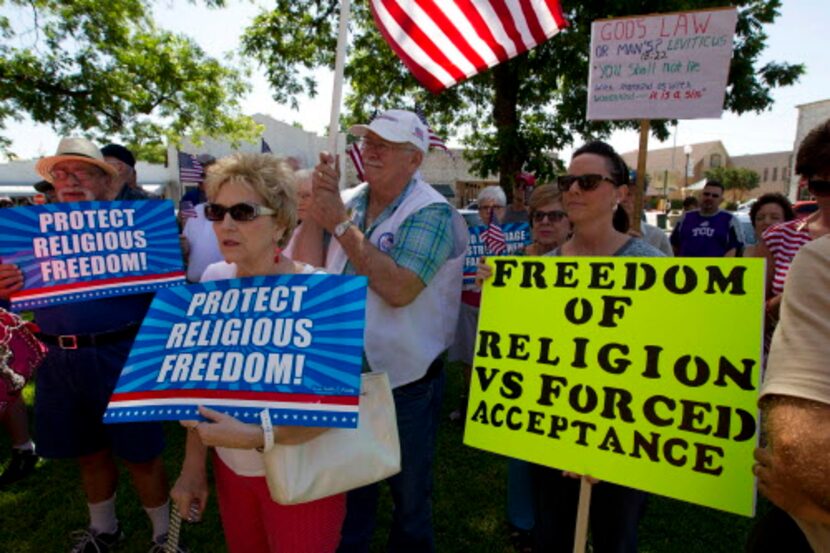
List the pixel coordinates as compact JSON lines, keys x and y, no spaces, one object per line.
{"x":178,"y":412}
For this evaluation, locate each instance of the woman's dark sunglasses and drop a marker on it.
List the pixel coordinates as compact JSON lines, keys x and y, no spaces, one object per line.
{"x":819,"y":187}
{"x":585,"y":182}
{"x":239,"y":212}
{"x":553,"y":216}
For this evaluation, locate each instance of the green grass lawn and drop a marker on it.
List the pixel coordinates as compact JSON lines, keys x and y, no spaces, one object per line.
{"x":37,"y":515}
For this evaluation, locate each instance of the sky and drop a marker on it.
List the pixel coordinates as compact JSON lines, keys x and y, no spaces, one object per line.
{"x":799,"y":35}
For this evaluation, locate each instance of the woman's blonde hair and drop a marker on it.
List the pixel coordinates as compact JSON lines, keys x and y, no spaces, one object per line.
{"x":269,"y":176}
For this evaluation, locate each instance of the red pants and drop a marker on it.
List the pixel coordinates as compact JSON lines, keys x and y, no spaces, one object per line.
{"x":255,"y":523}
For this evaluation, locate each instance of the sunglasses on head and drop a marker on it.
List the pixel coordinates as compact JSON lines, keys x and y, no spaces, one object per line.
{"x":239,"y":212}
{"x":553,"y":216}
{"x":584,"y":182}
{"x":819,"y":187}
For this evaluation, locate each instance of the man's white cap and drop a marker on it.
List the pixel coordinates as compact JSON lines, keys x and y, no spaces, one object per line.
{"x":396,"y":125}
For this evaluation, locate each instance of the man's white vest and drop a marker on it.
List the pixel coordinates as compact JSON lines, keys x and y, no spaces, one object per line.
{"x":403,"y":341}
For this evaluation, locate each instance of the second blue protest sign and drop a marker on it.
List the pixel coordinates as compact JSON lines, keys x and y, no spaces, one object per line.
{"x":78,"y":251}
{"x":516,"y":237}
{"x":291,"y":343}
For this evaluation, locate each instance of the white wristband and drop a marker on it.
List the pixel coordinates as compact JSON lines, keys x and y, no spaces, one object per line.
{"x":267,"y":430}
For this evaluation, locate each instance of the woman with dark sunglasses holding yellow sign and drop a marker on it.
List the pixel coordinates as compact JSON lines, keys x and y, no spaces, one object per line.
{"x":253,"y":206}
{"x":592,"y":193}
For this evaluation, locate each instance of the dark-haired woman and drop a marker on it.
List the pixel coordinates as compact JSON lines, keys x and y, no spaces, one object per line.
{"x":592,"y":191}
{"x":768,"y":210}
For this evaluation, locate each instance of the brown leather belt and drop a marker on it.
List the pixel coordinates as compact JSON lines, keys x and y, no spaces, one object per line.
{"x":75,"y":341}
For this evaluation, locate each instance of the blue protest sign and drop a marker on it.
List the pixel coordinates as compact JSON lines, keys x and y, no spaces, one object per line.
{"x":291,"y":343}
{"x":77,"y":251}
{"x":516,"y":237}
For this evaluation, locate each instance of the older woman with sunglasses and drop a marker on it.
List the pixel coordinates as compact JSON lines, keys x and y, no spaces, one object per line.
{"x":592,"y":193}
{"x":253,"y":206}
{"x":549,"y":223}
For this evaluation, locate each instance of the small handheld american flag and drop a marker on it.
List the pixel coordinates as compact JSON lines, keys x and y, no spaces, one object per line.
{"x":190,"y":170}
{"x":187,"y":209}
{"x":495,"y":242}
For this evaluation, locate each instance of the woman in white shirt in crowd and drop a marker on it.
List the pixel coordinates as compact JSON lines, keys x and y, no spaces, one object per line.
{"x":253,"y":205}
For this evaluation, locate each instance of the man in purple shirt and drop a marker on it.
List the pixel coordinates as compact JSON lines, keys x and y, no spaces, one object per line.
{"x":708,"y":231}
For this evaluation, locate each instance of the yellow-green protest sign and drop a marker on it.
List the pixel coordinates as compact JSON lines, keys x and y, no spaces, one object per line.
{"x":639,"y":371}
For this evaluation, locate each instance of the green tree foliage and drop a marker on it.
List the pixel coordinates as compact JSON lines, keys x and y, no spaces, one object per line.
{"x":736,"y":181}
{"x":516,"y":114}
{"x":105,"y":69}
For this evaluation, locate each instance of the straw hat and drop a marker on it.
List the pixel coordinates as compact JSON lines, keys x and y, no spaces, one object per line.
{"x":74,"y":148}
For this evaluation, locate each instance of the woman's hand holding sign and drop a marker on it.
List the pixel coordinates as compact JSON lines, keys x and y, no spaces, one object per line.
{"x":11,"y":279}
{"x":483,"y":272}
{"x":225,"y":431}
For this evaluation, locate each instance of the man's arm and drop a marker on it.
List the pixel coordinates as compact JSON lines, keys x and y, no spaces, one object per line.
{"x":397,"y":277}
{"x":794,"y":471}
{"x":397,"y":285}
{"x":735,"y":242}
{"x":675,"y":235}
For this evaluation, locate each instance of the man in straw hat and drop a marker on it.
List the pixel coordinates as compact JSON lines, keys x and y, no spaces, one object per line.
{"x":88,"y":345}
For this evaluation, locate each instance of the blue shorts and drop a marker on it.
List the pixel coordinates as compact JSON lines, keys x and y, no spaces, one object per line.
{"x":72,"y":390}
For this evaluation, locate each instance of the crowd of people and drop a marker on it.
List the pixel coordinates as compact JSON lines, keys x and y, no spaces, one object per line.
{"x":256,"y":215}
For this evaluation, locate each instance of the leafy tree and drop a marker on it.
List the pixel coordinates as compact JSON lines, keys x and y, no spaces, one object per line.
{"x":514,"y":115}
{"x":735,"y":180}
{"x":105,"y":69}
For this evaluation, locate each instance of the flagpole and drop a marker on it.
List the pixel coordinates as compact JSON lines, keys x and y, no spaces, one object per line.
{"x":337,"y":91}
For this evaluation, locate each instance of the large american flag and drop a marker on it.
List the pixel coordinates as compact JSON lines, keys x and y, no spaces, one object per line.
{"x":190,"y":170}
{"x":495,"y":242}
{"x":443,"y":42}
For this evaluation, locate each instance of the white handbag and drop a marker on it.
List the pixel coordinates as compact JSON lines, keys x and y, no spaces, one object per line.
{"x":340,"y":459}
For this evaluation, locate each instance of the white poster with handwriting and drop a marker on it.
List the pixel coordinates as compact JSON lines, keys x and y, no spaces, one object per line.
{"x":666,"y":66}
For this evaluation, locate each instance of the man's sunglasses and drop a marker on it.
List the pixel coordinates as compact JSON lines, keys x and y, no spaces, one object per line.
{"x":586,"y":183}
{"x":553,"y":216}
{"x":239,"y":212}
{"x":819,"y":187}
{"x":710,"y":194}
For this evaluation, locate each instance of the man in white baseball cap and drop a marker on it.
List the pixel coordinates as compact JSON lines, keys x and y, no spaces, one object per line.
{"x":398,"y":231}
{"x":398,"y":126}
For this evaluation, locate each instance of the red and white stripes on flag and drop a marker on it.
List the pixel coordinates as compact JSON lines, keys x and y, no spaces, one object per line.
{"x":443,"y":42}
{"x":495,"y":243}
{"x":357,"y":159}
{"x":435,"y":141}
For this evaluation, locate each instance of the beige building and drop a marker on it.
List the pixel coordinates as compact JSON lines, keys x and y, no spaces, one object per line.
{"x":809,"y":117}
{"x":669,"y":170}
{"x":774,"y":170}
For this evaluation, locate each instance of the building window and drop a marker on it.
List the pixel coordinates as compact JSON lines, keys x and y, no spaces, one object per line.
{"x":715,"y":160}
{"x":774,"y":174}
{"x":766,"y":174}
{"x":785,"y":174}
